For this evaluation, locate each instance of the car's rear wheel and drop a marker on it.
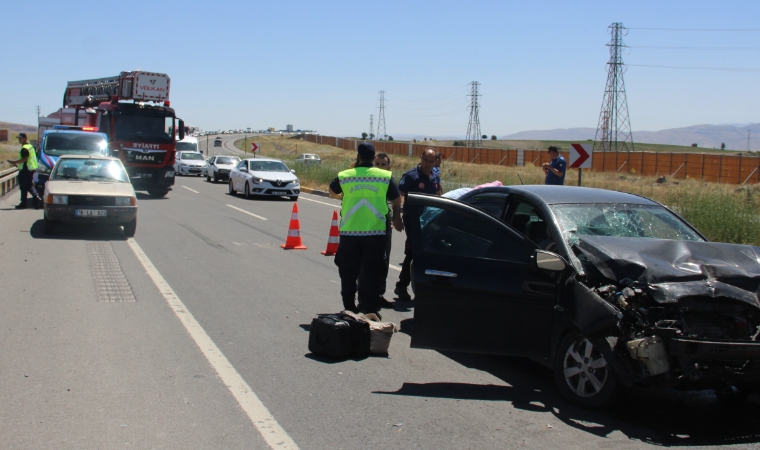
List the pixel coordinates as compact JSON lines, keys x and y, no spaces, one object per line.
{"x":49,"y":226}
{"x":130,"y":228}
{"x":158,"y":193}
{"x":247,"y":191}
{"x":232,"y":189}
{"x":583,"y":375}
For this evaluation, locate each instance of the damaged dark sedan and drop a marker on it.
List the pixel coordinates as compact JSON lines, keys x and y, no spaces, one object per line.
{"x":608,"y":289}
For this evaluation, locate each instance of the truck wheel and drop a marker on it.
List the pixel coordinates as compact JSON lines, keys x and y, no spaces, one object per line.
{"x":583,"y":375}
{"x":130,"y":228}
{"x":232,"y":190}
{"x":156,"y":193}
{"x":49,"y":226}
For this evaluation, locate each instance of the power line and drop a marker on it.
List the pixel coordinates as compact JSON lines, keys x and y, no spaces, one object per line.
{"x":474,"y":138}
{"x":614,"y":130}
{"x":739,"y":49}
{"x":700,"y":29}
{"x":723,"y":69}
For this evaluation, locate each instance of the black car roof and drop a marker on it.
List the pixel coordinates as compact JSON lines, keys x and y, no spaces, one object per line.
{"x":553,"y":195}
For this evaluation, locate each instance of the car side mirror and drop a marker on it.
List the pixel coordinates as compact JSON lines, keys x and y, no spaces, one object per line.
{"x":243,"y":169}
{"x":548,"y":261}
{"x":293,"y":171}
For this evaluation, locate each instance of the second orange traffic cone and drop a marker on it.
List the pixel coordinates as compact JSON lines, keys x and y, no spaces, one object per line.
{"x":334,"y":239}
{"x":293,"y":242}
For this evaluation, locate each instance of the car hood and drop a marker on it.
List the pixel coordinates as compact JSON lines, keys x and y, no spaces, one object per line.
{"x":64,"y":187}
{"x":273,"y":176}
{"x":673,"y":270}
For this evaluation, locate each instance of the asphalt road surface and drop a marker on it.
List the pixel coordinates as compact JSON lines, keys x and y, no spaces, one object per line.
{"x":205,"y":346}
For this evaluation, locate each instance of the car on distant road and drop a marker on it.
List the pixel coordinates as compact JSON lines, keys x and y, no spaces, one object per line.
{"x":609,"y":289}
{"x":264,"y":177}
{"x":190,"y":163}
{"x":218,"y":142}
{"x":219,"y":167}
{"x":90,"y":189}
{"x":308,"y":158}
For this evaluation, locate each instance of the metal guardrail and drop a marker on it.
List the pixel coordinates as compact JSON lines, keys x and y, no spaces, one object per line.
{"x":8,"y":180}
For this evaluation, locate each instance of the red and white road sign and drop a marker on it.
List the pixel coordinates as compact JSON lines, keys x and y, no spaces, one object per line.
{"x":254,"y":147}
{"x":580,"y":156}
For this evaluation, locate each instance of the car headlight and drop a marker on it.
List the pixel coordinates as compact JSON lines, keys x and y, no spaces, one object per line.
{"x":126,"y":201}
{"x":257,"y":180}
{"x":296,"y":182}
{"x":60,"y":199}
{"x":41,"y":168}
{"x":183,"y":164}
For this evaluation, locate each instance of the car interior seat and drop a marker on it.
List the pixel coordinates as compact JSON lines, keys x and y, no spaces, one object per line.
{"x":520,"y":222}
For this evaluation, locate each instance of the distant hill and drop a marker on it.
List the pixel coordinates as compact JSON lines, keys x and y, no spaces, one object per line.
{"x":18,"y":128}
{"x":705,"y":136}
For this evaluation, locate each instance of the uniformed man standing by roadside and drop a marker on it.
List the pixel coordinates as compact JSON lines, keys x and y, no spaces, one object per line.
{"x":27,"y":165}
{"x":425,"y":180}
{"x":366,"y":190}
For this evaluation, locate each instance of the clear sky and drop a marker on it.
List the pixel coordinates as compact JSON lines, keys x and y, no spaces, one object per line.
{"x":320,"y":64}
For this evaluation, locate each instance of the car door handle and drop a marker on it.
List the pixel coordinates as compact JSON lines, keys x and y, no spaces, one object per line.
{"x":440,"y":273}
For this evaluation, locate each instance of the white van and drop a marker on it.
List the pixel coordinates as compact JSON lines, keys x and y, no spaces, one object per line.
{"x":189,"y":144}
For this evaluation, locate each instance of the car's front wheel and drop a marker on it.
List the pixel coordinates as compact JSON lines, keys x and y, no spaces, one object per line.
{"x":232,"y":189}
{"x":130,"y":228}
{"x":583,"y":375}
{"x":216,"y":178}
{"x":208,"y":178}
{"x":247,"y":191}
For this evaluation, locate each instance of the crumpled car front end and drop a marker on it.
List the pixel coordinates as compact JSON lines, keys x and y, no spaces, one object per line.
{"x":676,"y":313}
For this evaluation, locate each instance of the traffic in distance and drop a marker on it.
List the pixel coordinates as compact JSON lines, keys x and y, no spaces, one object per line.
{"x":608,"y":290}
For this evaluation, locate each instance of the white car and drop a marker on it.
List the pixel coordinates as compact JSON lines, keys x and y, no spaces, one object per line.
{"x":264,"y":176}
{"x":219,"y":167}
{"x":190,"y":163}
{"x":309,"y":158}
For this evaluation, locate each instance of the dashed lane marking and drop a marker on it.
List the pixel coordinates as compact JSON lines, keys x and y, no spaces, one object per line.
{"x":274,"y":435}
{"x":317,"y":201}
{"x":191,"y":190}
{"x":249,"y":213}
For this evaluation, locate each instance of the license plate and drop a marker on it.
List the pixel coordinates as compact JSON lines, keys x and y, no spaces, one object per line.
{"x":279,"y":192}
{"x":91,"y":212}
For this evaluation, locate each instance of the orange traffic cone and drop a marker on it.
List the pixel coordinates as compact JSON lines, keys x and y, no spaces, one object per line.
{"x":334,"y":239}
{"x":293,"y":242}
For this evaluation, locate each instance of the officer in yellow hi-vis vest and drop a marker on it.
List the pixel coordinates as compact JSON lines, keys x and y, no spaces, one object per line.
{"x":27,"y":165}
{"x":366,"y":191}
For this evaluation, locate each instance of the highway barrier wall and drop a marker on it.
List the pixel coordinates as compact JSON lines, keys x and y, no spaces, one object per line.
{"x":715,"y":168}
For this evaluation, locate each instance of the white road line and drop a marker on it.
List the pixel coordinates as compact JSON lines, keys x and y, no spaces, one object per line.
{"x":249,"y":213}
{"x":192,"y":190}
{"x":317,"y":201}
{"x":274,"y":435}
{"x":394,"y":267}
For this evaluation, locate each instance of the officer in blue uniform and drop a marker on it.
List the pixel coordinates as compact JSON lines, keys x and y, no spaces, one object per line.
{"x":425,"y":180}
{"x":555,"y":170}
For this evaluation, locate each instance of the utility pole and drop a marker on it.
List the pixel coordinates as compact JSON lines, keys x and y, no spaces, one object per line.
{"x":474,"y":138}
{"x":371,"y":128}
{"x":614,"y":130}
{"x":381,"y":118}
{"x":38,"y":111}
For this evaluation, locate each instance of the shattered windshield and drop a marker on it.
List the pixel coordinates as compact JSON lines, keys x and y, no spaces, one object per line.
{"x":620,"y":220}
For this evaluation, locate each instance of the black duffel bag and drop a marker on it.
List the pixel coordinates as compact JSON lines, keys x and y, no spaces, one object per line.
{"x":339,"y":336}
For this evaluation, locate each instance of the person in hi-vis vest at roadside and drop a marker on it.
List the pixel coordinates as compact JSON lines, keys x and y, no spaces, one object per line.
{"x":27,"y":165}
{"x":366,"y":191}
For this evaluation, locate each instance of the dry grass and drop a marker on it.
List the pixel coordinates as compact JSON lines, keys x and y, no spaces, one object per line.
{"x":725,"y":213}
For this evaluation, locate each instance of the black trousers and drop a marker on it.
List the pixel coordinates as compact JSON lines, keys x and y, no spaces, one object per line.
{"x":357,"y":254}
{"x":382,"y":285}
{"x":25,"y":184}
{"x":405,"y":277}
